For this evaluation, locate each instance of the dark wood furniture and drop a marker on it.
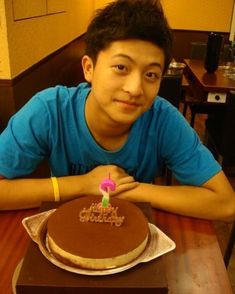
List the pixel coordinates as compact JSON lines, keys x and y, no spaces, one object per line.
{"x":195,"y":266}
{"x":220,"y":139}
{"x":220,"y":132}
{"x":171,"y":88}
{"x":198,"y":50}
{"x":210,"y":82}
{"x":62,"y":67}
{"x":208,"y":90}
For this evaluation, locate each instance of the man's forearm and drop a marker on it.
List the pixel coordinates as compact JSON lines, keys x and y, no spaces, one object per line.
{"x":192,"y":201}
{"x":28,"y":193}
{"x":215,"y":200}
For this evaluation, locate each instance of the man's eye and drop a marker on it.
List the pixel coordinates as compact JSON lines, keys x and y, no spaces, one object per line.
{"x":120,"y":67}
{"x":152,"y":75}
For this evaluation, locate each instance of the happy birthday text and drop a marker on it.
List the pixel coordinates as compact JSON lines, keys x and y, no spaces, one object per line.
{"x":98,"y":214}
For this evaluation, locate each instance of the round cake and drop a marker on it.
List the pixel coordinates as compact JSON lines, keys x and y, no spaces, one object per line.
{"x":81,"y":234}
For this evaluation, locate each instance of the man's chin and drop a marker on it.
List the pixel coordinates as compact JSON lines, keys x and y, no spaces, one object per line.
{"x":124,"y":120}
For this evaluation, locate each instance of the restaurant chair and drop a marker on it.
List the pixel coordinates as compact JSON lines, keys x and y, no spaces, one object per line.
{"x":197,"y":50}
{"x":227,"y":53}
{"x":171,"y":90}
{"x":190,"y":100}
{"x":220,"y":139}
{"x":220,"y":133}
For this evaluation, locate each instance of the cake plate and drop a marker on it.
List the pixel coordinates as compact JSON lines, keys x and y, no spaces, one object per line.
{"x":159,"y":244}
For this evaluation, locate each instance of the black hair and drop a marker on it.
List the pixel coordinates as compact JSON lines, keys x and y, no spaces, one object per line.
{"x":129,"y":19}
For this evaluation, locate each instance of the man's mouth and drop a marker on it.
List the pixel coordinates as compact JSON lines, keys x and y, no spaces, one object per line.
{"x":127,"y":103}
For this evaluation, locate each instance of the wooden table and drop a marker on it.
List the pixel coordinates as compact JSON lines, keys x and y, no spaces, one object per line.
{"x":206,"y":92}
{"x":13,"y":244}
{"x":195,"y":266}
{"x":210,"y":81}
{"x":210,"y":87}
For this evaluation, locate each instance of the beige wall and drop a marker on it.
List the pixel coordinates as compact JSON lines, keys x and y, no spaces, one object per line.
{"x":100,"y":3}
{"x":4,"y":52}
{"x":202,"y":15}
{"x":32,"y":39}
{"x":25,"y":42}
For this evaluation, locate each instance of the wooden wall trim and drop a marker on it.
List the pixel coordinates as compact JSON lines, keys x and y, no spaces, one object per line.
{"x":65,"y":50}
{"x":183,"y":39}
{"x":61,"y":67}
{"x":6,"y":83}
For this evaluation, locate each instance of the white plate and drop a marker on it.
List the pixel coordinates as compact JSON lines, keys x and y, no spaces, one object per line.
{"x":158,"y":245}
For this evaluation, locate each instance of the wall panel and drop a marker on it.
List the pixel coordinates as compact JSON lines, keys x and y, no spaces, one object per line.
{"x":201,"y":15}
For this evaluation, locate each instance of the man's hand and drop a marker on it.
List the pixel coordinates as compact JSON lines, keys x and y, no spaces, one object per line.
{"x":124,"y":182}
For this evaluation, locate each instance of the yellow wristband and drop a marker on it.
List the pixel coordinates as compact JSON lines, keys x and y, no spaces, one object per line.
{"x":55,"y":189}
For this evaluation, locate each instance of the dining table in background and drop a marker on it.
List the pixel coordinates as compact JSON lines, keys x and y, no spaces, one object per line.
{"x":211,"y":87}
{"x":195,"y":266}
{"x":206,"y":92}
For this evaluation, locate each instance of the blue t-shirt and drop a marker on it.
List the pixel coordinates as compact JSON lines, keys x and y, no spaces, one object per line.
{"x":52,"y":125}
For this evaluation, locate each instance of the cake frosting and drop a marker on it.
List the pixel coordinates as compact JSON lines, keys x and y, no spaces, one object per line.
{"x":80,"y":235}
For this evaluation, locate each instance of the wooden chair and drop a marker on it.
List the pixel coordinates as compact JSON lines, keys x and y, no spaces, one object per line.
{"x":197,"y":51}
{"x":220,"y":132}
{"x":220,"y":139}
{"x":171,"y":90}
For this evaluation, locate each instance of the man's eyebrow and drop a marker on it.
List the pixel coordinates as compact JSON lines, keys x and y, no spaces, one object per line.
{"x":132,"y":60}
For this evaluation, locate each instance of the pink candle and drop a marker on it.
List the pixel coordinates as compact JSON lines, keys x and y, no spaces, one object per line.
{"x":105,"y":186}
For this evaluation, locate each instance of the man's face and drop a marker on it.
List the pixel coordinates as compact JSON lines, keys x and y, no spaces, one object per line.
{"x":125,"y":80}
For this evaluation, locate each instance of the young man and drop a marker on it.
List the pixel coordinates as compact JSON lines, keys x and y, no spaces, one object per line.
{"x":114,"y":124}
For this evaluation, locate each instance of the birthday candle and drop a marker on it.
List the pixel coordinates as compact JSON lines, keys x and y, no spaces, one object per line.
{"x":105,"y":186}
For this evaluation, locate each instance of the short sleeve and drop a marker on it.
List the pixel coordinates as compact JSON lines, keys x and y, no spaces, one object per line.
{"x":24,"y":143}
{"x":190,"y":161}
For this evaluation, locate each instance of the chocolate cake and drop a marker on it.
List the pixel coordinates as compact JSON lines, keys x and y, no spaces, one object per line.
{"x":80,"y":235}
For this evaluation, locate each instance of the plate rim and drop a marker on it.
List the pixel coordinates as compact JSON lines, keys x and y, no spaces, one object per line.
{"x":155,"y":233}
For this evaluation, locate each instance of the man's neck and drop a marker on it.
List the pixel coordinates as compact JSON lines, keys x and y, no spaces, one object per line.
{"x":107,"y":133}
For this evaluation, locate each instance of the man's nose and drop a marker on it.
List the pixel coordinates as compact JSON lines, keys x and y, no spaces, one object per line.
{"x":134,"y":85}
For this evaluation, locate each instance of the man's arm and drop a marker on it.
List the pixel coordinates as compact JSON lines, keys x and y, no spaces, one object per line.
{"x":28,"y":193}
{"x":214,"y":200}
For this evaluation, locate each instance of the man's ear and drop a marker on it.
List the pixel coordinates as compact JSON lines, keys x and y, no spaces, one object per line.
{"x":87,"y":65}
